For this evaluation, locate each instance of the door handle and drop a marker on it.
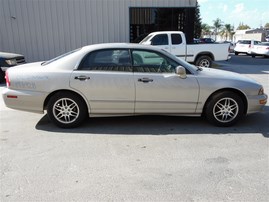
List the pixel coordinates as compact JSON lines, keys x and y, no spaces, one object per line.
{"x":82,"y":78}
{"x":145,"y":80}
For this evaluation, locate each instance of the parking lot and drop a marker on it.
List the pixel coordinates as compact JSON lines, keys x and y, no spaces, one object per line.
{"x":149,"y":158}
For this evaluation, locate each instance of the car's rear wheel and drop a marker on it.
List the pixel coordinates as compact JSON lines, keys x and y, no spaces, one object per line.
{"x":67,"y":110}
{"x":224,"y":109}
{"x":203,"y":61}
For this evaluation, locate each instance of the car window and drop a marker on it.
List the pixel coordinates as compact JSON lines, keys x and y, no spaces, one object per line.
{"x":107,"y":60}
{"x":244,"y":42}
{"x":160,"y":39}
{"x":152,"y":62}
{"x":176,"y":39}
{"x":256,"y":42}
{"x":60,"y":57}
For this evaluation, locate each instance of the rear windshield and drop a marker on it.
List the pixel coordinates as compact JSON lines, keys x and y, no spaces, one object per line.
{"x":264,"y":44}
{"x":244,"y":42}
{"x":59,"y":57}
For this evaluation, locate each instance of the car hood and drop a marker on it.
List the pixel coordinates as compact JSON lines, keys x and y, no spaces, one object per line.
{"x":9,"y":55}
{"x":224,"y":75}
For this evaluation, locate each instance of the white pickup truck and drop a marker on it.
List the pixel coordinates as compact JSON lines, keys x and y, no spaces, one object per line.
{"x":198,"y":54}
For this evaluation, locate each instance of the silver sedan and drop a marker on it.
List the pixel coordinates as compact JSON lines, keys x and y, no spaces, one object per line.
{"x":127,"y":79}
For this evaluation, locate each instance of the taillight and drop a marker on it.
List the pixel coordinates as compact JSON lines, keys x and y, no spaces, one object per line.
{"x":7,"y":79}
{"x":267,"y":48}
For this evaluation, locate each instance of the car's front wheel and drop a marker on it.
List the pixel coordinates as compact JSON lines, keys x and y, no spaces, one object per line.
{"x":224,"y":109}
{"x":66,"y":110}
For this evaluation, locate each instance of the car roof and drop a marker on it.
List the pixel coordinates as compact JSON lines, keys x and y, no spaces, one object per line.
{"x":118,"y":45}
{"x":166,"y":32}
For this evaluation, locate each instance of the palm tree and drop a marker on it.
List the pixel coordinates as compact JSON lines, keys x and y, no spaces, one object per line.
{"x":217,"y":24}
{"x":205,"y":29}
{"x":227,"y":31}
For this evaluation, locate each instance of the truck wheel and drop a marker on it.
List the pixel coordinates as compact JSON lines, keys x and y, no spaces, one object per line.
{"x":203,"y":61}
{"x":67,"y":110}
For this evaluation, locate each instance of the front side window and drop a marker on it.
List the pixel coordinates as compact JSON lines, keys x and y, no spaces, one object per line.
{"x":159,"y":40}
{"x":152,"y":62}
{"x":107,"y":60}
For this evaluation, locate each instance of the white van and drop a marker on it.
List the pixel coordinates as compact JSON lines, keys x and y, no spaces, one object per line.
{"x":245,"y":46}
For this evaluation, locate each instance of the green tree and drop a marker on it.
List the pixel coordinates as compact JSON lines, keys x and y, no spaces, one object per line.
{"x":217,"y":25}
{"x":266,"y":26}
{"x":242,"y":26}
{"x":206,"y":29}
{"x":227,"y":31}
{"x":197,"y":22}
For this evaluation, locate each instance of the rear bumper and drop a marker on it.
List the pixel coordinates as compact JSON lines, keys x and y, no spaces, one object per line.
{"x":24,"y":100}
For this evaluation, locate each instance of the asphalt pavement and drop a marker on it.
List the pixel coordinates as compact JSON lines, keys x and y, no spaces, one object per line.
{"x":149,"y":158}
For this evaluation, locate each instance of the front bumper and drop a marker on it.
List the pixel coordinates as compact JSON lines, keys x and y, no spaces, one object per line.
{"x":256,"y":103}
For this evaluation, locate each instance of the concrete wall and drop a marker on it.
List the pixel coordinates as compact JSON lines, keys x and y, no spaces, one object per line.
{"x":43,"y":29}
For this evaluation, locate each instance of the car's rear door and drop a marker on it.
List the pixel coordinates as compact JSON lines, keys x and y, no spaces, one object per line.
{"x":178,"y":46}
{"x":105,"y":78}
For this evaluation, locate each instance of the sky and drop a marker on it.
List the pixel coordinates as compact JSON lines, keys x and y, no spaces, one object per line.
{"x":253,"y":13}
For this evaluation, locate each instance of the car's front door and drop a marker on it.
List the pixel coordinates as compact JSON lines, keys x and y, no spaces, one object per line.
{"x":105,"y":78}
{"x":158,"y":88}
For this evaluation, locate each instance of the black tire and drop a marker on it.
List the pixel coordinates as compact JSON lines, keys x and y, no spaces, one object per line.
{"x":224,"y":109}
{"x":236,"y":53}
{"x":67,"y":110}
{"x":2,"y":76}
{"x":253,"y":56}
{"x":203,"y":61}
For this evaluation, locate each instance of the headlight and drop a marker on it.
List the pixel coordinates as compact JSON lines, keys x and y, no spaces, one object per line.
{"x":261,"y":91}
{"x":11,"y":62}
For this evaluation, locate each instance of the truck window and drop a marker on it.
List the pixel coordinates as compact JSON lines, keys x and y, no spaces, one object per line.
{"x":159,"y":40}
{"x":176,"y":39}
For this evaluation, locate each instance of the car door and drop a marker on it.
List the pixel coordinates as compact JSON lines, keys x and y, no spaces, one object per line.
{"x":161,"y":41}
{"x":158,"y":88}
{"x":105,"y":78}
{"x":178,"y":46}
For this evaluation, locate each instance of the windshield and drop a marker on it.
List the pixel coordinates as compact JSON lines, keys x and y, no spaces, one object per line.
{"x":146,"y":38}
{"x":59,"y":57}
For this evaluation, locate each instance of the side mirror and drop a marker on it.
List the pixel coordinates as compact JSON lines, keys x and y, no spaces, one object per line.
{"x":181,"y":72}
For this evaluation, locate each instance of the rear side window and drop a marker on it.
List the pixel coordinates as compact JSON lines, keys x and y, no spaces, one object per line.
{"x":107,"y":60}
{"x":176,"y":39}
{"x":159,"y":40}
